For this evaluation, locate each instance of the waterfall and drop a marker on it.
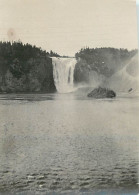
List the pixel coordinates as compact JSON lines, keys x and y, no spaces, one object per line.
{"x":63,"y":73}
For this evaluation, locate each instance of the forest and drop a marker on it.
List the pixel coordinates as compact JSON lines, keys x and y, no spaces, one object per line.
{"x":104,"y":61}
{"x":27,"y":68}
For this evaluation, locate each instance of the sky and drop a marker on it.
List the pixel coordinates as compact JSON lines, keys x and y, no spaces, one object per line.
{"x":65,"y":26}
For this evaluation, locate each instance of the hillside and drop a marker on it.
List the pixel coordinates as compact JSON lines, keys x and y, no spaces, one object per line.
{"x":25,"y":68}
{"x":104,"y":61}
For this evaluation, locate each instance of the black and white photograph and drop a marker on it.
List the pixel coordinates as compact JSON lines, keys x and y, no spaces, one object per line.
{"x":69,"y":97}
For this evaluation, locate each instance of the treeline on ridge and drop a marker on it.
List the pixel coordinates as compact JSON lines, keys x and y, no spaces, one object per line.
{"x":25,"y":68}
{"x":104,"y":61}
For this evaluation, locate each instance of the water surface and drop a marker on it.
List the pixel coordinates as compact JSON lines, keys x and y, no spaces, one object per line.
{"x":66,"y":144}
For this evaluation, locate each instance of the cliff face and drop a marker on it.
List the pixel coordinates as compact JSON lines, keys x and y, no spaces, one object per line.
{"x":27,"y":69}
{"x":22,"y":71}
{"x":84,"y":73}
{"x":104,"y":61}
{"x":38,"y":79}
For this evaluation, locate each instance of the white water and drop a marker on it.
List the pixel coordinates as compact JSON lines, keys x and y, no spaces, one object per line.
{"x":63,"y":73}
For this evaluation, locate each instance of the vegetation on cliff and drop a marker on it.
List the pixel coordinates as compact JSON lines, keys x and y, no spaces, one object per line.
{"x":25,"y":68}
{"x":104,"y":61}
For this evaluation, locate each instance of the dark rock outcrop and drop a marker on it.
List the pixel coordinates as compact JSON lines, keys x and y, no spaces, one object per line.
{"x":100,"y":92}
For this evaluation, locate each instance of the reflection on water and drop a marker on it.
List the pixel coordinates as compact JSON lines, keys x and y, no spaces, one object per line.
{"x":64,"y":145}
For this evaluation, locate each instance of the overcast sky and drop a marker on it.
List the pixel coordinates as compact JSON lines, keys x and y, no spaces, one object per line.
{"x":67,"y":25}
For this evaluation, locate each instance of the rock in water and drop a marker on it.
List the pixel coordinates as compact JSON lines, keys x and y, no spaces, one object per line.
{"x":130,"y":90}
{"x":102,"y":93}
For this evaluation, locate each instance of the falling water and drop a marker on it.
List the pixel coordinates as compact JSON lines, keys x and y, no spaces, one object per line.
{"x":63,"y":73}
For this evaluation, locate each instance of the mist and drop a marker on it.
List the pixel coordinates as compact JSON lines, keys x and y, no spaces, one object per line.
{"x":125,"y":77}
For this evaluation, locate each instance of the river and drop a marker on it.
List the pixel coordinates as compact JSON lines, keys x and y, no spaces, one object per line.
{"x":68,"y":144}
